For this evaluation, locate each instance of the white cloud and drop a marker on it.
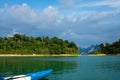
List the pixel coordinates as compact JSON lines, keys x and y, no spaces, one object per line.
{"x":48,"y":17}
{"x":65,"y":4}
{"x":1,"y":11}
{"x":51,"y":12}
{"x":109,"y":3}
{"x":13,"y":32}
{"x":23,"y":13}
{"x":80,"y":26}
{"x":51,"y":16}
{"x":104,"y":16}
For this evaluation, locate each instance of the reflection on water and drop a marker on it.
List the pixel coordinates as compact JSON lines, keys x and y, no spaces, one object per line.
{"x":109,"y":66}
{"x":64,"y":68}
{"x":10,"y":66}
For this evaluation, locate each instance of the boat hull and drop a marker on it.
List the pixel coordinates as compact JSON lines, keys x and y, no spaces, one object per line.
{"x":31,"y":76}
{"x":39,"y":75}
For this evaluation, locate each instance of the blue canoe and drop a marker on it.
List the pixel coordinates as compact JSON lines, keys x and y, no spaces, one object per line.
{"x":31,"y":76}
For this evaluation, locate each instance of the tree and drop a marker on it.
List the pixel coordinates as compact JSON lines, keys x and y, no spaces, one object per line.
{"x":113,"y":48}
{"x":21,"y":44}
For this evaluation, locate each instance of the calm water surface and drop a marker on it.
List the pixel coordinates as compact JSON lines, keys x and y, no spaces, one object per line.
{"x":64,"y":68}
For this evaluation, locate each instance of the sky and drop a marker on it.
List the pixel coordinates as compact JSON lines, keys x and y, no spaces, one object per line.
{"x":86,"y":22}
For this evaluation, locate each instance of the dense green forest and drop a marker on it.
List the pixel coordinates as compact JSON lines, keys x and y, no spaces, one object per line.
{"x":110,"y":49}
{"x":21,"y":44}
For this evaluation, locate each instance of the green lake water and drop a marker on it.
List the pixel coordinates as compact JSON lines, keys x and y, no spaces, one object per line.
{"x":64,"y":68}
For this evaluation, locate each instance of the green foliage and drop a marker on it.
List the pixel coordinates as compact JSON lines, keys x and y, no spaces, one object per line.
{"x":110,"y":49}
{"x":21,"y":44}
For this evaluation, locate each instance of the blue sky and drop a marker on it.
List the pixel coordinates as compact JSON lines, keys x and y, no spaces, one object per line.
{"x":85,"y":22}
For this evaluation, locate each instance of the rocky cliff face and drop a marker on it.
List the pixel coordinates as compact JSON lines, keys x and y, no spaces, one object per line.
{"x":88,"y":50}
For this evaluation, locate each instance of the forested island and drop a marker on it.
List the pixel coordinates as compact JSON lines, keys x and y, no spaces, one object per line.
{"x":109,"y":49}
{"x":29,"y":45}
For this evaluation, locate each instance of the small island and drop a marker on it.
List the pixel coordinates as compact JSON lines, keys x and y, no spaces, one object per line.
{"x":108,"y":49}
{"x":28,"y":45}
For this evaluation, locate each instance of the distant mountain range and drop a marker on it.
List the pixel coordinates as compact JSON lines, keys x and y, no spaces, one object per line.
{"x":88,"y":50}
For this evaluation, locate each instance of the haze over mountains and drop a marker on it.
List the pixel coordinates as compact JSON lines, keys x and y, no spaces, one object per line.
{"x":88,"y":50}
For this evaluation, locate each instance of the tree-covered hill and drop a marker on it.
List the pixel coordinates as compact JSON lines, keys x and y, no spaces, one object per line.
{"x":110,"y":49}
{"x":21,"y":44}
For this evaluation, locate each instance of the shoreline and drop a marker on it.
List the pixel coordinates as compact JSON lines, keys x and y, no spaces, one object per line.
{"x":102,"y":55}
{"x":37,"y":55}
{"x":98,"y":55}
{"x":64,"y":55}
